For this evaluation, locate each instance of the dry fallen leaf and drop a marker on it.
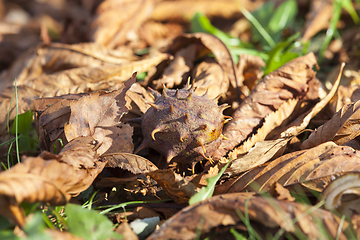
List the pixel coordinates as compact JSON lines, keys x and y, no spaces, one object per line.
{"x":249,"y":71}
{"x":130,"y":162}
{"x":318,"y":18}
{"x":184,"y":10}
{"x":341,"y":128}
{"x":58,"y":57}
{"x":288,"y":82}
{"x":178,"y":188}
{"x":345,"y":95}
{"x":313,"y":169}
{"x":259,"y":154}
{"x":303,"y":120}
{"x":112,"y":29}
{"x":265,"y":212}
{"x":75,"y":80}
{"x":281,"y":193}
{"x":51,"y":178}
{"x":215,"y":45}
{"x":98,"y":115}
{"x":209,"y":77}
{"x":342,"y":194}
{"x":179,"y":68}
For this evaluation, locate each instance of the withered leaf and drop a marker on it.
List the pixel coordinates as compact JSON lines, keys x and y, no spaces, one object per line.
{"x":210,"y":77}
{"x":184,"y":10}
{"x":112,"y":29}
{"x":179,"y":68}
{"x":339,"y":194}
{"x":56,"y":57}
{"x":131,"y":162}
{"x":302,"y":121}
{"x":52,"y":178}
{"x":87,"y":79}
{"x":98,"y":115}
{"x":249,"y":71}
{"x":281,"y":193}
{"x":51,"y":116}
{"x":313,"y":168}
{"x":125,"y":230}
{"x":215,"y":45}
{"x":138,"y":98}
{"x":341,"y":128}
{"x":224,"y":210}
{"x":344,"y":95}
{"x":271,"y":121}
{"x":178,"y":188}
{"x":261,"y":153}
{"x":288,"y":82}
{"x":318,"y":18}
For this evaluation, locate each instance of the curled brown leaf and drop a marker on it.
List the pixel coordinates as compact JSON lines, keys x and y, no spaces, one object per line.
{"x":178,"y":188}
{"x":52,"y":178}
{"x":117,"y":33}
{"x":179,"y":68}
{"x":98,"y":115}
{"x":225,"y":210}
{"x":210,"y":77}
{"x":341,"y":128}
{"x":130,"y":162}
{"x":288,"y":82}
{"x":313,"y":169}
{"x":215,"y":45}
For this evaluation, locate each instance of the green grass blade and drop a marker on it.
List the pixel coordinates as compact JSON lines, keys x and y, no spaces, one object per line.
{"x":113,"y":207}
{"x":258,"y":26}
{"x":347,"y":4}
{"x":207,"y":192}
{"x":332,"y":28}
{"x":17,"y":123}
{"x":283,"y":17}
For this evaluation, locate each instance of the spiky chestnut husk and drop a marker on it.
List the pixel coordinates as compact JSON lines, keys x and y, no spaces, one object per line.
{"x":182,"y":126}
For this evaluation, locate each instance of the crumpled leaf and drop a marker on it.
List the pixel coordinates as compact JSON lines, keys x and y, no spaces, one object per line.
{"x":342,"y":194}
{"x":139,"y":99}
{"x":178,"y":188}
{"x":271,"y":121}
{"x":179,"y":68}
{"x":50,"y":120}
{"x":112,"y":29}
{"x":341,"y":128}
{"x":259,"y":154}
{"x":55,"y":57}
{"x":265,"y":212}
{"x":281,"y":193}
{"x":313,"y":169}
{"x":98,"y":115}
{"x":184,"y":10}
{"x":288,"y":82}
{"x":130,"y":162}
{"x":210,"y":77}
{"x":344,"y":95}
{"x":215,"y":45}
{"x":318,"y":19}
{"x":303,"y":120}
{"x":249,"y":71}
{"x":52,"y":178}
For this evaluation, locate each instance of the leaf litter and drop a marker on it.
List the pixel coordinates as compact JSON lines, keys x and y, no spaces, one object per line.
{"x":90,"y":79}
